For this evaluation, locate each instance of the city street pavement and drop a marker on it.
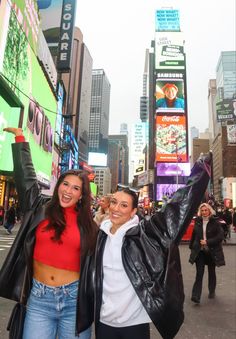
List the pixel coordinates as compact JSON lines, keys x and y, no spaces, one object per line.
{"x":213,"y":318}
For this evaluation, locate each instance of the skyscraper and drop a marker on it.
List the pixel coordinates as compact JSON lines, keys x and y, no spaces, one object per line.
{"x":99,"y":112}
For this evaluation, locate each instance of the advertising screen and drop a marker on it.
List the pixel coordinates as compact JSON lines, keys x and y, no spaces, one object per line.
{"x":50,"y":13}
{"x":169,"y":50}
{"x":23,"y":13}
{"x":171,"y":138}
{"x":169,"y":92}
{"x":226,"y":110}
{"x":23,"y":75}
{"x":170,"y":169}
{"x":231,"y":134}
{"x":167,"y":20}
{"x":9,"y":116}
{"x":97,"y":159}
{"x":166,"y":191}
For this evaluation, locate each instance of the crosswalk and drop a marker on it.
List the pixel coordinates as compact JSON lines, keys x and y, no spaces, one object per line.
{"x":6,"y":241}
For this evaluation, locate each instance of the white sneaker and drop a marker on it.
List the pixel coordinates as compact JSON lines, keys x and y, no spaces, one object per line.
{"x":8,"y":232}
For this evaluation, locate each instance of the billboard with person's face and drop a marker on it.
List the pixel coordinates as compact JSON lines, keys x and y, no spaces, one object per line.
{"x":22,"y":75}
{"x":170,"y":92}
{"x":171,"y":140}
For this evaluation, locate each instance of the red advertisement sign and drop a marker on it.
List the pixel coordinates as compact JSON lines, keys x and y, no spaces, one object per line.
{"x":171,"y":139}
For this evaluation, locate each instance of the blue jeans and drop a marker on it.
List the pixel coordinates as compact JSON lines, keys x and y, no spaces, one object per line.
{"x":51,"y":312}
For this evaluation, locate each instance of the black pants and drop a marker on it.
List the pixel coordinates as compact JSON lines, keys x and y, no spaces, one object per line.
{"x":202,"y":260}
{"x":141,"y":331}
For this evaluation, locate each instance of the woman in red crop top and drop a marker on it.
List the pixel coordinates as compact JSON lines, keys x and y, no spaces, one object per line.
{"x":57,"y":239}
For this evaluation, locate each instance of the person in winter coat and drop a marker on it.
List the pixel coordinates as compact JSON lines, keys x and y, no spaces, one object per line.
{"x":138,"y":276}
{"x":206,"y":249}
{"x":53,"y":247}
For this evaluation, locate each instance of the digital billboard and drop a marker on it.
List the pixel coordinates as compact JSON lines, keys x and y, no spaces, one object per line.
{"x":169,"y":51}
{"x":22,"y":74}
{"x":170,"y":92}
{"x":172,"y":169}
{"x":226,"y":110}
{"x":97,"y":159}
{"x":171,"y":141}
{"x":231,"y":134}
{"x":50,"y":13}
{"x":167,"y":20}
{"x":166,"y":191}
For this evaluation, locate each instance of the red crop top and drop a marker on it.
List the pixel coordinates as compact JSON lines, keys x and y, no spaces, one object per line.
{"x":64,"y":255}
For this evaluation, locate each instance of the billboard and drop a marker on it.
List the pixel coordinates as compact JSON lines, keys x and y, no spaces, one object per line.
{"x":66,"y":35}
{"x":50,"y":13}
{"x":167,"y":20}
{"x":97,"y":159}
{"x":169,"y":51}
{"x":173,"y":169}
{"x":170,"y":92}
{"x":171,"y":141}
{"x":165,"y":191}
{"x":231,"y":134}
{"x":226,"y":110}
{"x":24,"y":79}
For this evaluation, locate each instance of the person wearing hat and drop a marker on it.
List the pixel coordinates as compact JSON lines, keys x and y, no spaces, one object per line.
{"x":170,"y":99}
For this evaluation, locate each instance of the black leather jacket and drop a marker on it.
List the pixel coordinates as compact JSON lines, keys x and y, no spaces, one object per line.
{"x":214,"y":237}
{"x":151,"y":258}
{"x":20,"y":256}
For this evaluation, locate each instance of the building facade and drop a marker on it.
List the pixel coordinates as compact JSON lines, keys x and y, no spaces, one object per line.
{"x":123,"y":160}
{"x":102,"y":180}
{"x":223,"y":141}
{"x":99,"y":112}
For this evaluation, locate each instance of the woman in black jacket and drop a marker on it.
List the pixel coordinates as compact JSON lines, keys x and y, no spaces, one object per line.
{"x":52,"y":249}
{"x":206,"y":249}
{"x":138,"y":275}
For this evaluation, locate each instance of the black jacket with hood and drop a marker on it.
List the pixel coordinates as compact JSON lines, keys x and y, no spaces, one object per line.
{"x":154,"y":271}
{"x":150,"y":255}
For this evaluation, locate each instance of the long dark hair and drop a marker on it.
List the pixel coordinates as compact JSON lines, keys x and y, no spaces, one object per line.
{"x":54,"y":213}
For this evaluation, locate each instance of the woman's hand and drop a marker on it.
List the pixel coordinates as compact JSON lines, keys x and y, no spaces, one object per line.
{"x":203,"y":242}
{"x":14,"y":130}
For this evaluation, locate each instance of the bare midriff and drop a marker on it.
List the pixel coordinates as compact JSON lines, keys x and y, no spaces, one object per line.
{"x":52,"y":276}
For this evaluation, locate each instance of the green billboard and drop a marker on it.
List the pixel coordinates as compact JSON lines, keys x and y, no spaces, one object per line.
{"x":22,"y":75}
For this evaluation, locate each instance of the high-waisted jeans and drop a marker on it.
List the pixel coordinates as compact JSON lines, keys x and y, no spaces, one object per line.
{"x":51,"y":312}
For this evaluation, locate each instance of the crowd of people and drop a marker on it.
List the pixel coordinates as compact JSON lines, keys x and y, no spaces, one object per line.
{"x":72,"y":265}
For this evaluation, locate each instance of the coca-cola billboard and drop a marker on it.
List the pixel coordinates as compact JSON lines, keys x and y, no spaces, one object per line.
{"x":171,"y":138}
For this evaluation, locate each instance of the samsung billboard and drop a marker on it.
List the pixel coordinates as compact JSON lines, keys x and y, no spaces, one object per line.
{"x":170,"y":92}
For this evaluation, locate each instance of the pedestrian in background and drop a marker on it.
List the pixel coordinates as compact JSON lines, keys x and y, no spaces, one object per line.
{"x":227,"y":217}
{"x":206,"y":250}
{"x":103,"y":211}
{"x":234,"y":219}
{"x":1,"y":214}
{"x":10,"y":219}
{"x":52,"y":249}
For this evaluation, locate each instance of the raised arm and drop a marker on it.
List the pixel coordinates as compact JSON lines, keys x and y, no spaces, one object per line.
{"x":176,"y":215}
{"x":24,"y":173}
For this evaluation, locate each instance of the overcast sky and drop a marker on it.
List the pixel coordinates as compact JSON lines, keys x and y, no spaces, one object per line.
{"x":118,"y":32}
